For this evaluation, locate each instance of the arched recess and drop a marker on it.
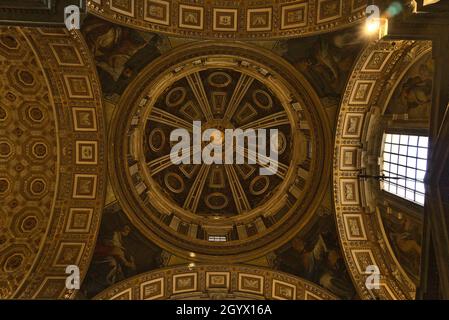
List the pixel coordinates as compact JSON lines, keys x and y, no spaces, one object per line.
{"x":241,"y":20}
{"x":376,"y":76}
{"x":52,"y":160}
{"x":225,"y":282}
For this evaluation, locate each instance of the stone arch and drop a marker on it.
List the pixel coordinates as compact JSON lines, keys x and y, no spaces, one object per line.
{"x":374,"y":79}
{"x":228,"y":282}
{"x":54,"y":160}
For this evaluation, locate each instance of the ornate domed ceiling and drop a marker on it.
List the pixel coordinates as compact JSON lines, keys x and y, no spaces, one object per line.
{"x":200,"y":229}
{"x":221,"y":99}
{"x":219,"y":211}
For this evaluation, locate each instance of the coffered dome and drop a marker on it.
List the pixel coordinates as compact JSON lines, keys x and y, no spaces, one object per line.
{"x":195,"y":208}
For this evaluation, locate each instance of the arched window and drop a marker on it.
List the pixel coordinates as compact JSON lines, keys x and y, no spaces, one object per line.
{"x":404,"y":163}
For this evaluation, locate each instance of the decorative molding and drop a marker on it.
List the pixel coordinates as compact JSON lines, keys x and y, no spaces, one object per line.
{"x":359,"y":230}
{"x":69,"y":156}
{"x":232,"y":19}
{"x":215,"y":281}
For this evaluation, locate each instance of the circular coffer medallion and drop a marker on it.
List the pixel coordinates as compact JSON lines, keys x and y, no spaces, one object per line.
{"x":213,"y":210}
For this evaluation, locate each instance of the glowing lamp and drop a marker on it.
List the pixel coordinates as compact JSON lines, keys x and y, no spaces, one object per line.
{"x":376,"y":27}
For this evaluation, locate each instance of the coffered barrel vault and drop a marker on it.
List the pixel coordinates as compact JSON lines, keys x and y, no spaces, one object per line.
{"x":232,"y":19}
{"x":375,"y":77}
{"x":51,"y":160}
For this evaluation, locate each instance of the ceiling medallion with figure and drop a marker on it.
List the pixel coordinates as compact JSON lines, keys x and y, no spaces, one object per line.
{"x":230,"y":210}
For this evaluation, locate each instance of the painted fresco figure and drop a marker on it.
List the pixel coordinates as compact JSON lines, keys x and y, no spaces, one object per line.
{"x":119,"y":52}
{"x":111,"y":262}
{"x":325,"y":61}
{"x":414,"y":93}
{"x":319,"y":263}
